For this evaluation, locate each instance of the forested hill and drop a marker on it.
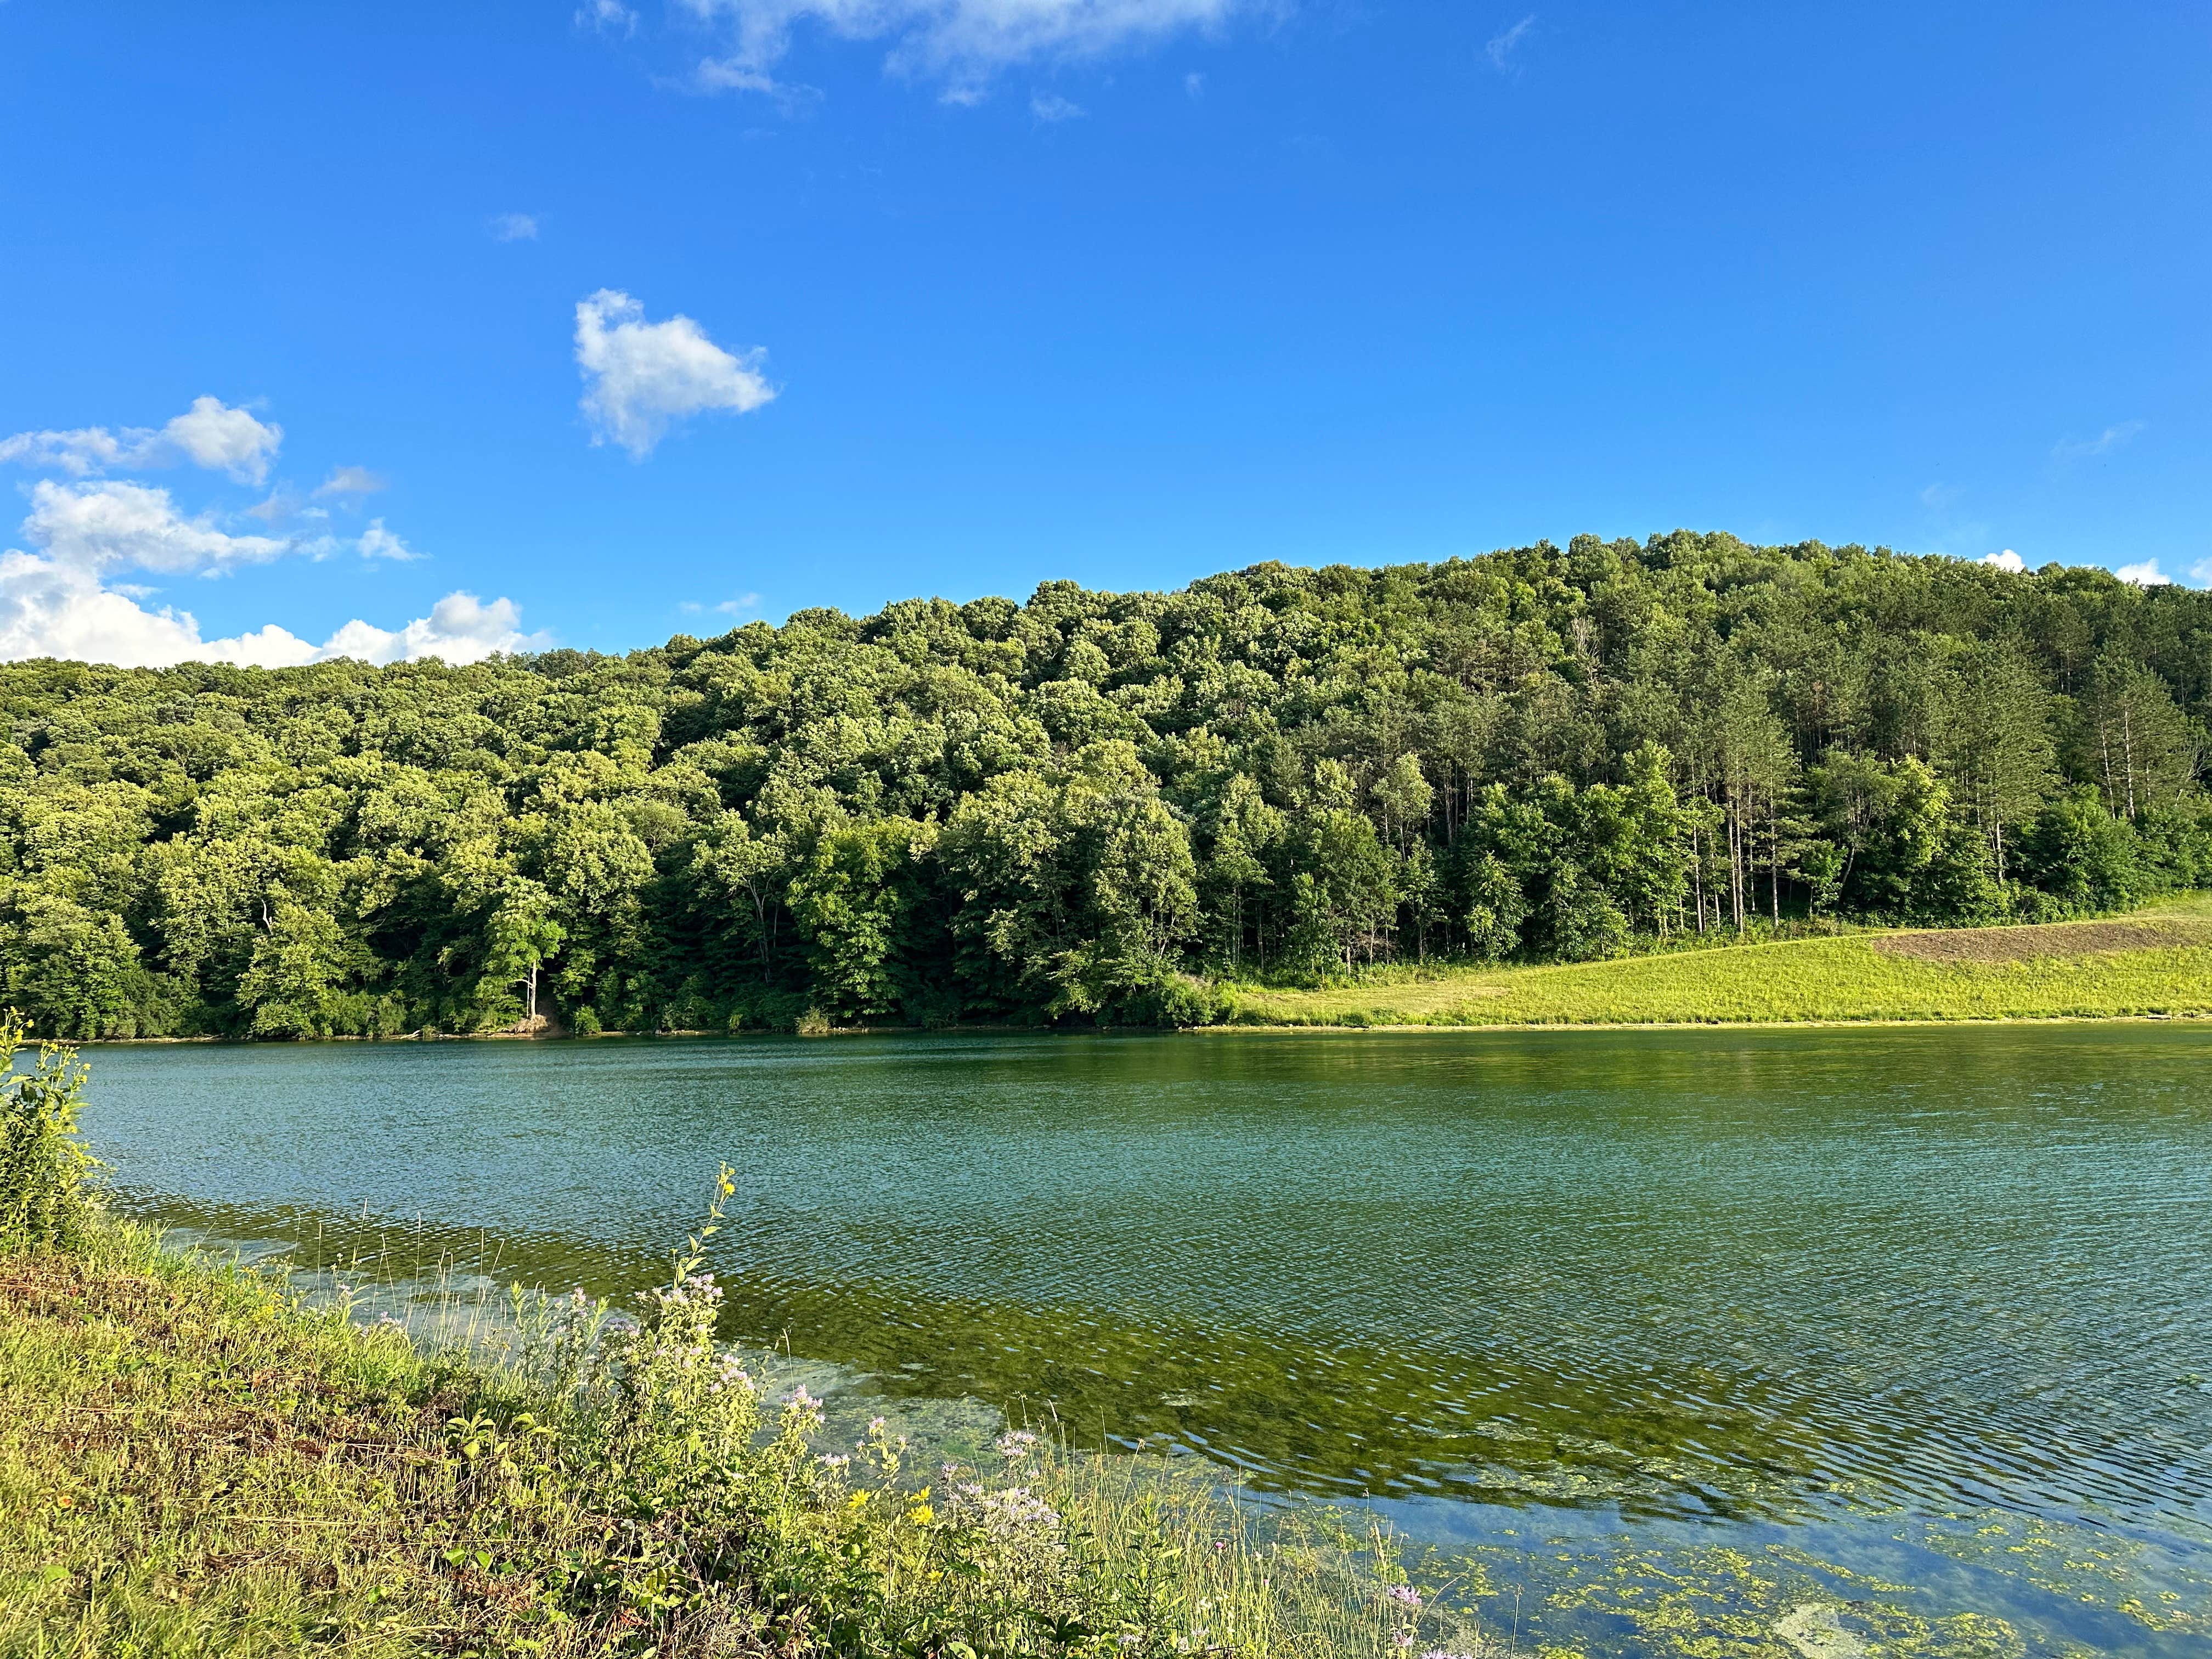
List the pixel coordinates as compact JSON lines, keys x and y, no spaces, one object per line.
{"x":1079,"y":808}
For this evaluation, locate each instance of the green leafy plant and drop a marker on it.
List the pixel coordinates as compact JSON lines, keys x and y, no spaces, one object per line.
{"x":44,"y":1168}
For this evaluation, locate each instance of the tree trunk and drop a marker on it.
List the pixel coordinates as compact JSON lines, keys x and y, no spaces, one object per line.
{"x":1774,"y":864}
{"x":1698,"y":876}
{"x":1735,"y":869}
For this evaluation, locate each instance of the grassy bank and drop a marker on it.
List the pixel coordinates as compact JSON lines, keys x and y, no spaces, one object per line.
{"x":195,"y":1460}
{"x":191,"y":1462}
{"x":2155,"y":962}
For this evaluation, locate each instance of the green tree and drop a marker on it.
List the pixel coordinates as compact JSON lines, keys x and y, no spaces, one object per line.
{"x":295,"y":983}
{"x":76,"y":971}
{"x":849,"y":896}
{"x":521,"y":936}
{"x":1993,"y":741}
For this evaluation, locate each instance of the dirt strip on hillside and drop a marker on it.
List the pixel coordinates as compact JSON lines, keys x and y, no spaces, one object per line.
{"x":2072,"y":939}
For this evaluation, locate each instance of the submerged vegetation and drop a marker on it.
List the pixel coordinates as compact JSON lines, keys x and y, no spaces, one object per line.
{"x":193,"y":1460}
{"x":1101,"y":806}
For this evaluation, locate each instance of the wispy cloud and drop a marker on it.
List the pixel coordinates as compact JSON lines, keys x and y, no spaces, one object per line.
{"x":1193,"y":84}
{"x":964,"y":43}
{"x":1501,"y":46}
{"x":378,"y":543}
{"x":350,"y":481}
{"x":1051,"y":107}
{"x":514,"y":227}
{"x":743,"y":603}
{"x":606,"y":17}
{"x":2111,"y":438}
{"x":641,"y":378}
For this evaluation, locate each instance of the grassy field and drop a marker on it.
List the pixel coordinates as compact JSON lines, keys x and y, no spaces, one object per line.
{"x":2156,"y":962}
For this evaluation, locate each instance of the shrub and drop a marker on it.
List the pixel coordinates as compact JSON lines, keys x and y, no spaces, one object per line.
{"x":44,"y":1204}
{"x":2080,"y":854}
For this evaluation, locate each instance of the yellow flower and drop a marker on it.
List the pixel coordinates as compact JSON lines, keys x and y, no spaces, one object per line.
{"x":921,"y":1514}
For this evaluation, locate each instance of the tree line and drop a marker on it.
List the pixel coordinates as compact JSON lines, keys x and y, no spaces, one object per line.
{"x":1094,"y":806}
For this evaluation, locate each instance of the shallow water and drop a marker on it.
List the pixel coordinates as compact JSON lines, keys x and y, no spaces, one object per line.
{"x":1787,"y":1341}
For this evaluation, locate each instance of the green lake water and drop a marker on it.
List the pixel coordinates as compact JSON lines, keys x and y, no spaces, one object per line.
{"x":1893,"y":1341}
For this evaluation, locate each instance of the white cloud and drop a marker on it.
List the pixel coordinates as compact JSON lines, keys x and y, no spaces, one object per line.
{"x":1501,"y":46}
{"x":378,"y":543}
{"x":209,"y":434}
{"x":1050,"y":106}
{"x":641,"y":378}
{"x":2146,"y":574}
{"x":608,"y":16}
{"x":514,"y":226}
{"x":2201,"y":573}
{"x":964,"y":40}
{"x":99,"y":526}
{"x":2007,"y":560}
{"x":350,"y":481}
{"x":63,"y":600}
{"x":460,"y":628}
{"x":2111,"y":438}
{"x":49,"y":608}
{"x":1193,"y":85}
{"x":214,"y":437}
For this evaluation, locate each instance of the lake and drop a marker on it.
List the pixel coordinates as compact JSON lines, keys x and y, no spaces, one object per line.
{"x":1898,"y":1338}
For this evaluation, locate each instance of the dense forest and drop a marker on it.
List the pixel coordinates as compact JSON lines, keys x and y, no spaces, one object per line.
{"x":1093,"y":806}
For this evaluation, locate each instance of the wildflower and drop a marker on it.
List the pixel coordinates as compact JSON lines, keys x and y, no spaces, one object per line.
{"x":833,"y":1460}
{"x":1401,"y":1639}
{"x":1439,"y":1653}
{"x":64,"y":1501}
{"x":876,"y":1425}
{"x":921,"y":1514}
{"x":1405,"y":1596}
{"x":1016,"y":1445}
{"x":1220,"y":1543}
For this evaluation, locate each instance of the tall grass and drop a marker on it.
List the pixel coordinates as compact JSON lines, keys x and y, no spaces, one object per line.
{"x":197,"y":1458}
{"x":1845,"y":978}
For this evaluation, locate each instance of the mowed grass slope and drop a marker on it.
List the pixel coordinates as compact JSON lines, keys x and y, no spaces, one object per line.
{"x":2158,"y":961}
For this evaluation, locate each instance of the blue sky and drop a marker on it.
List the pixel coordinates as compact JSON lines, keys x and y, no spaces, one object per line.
{"x":986,"y":292}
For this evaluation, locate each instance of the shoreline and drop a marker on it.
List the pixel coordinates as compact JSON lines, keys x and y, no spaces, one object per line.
{"x":1396,"y":1027}
{"x":1228,"y":1028}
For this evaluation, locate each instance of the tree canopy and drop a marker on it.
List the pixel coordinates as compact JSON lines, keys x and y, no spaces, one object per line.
{"x":1081,"y":807}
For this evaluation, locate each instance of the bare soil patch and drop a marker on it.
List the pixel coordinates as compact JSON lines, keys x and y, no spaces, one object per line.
{"x":2069,"y":938}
